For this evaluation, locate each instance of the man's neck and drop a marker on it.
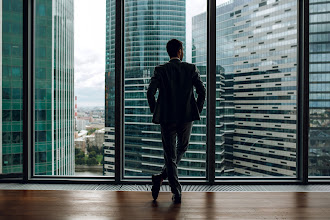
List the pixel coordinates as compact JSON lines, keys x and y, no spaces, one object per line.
{"x":172,"y":58}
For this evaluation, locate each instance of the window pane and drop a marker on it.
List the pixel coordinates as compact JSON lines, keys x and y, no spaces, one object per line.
{"x":149,"y":25}
{"x":256,"y":88}
{"x":69,"y":78}
{"x":319,"y":77}
{"x":11,"y":83}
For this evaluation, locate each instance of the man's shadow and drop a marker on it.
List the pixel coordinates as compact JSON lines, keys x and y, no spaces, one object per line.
{"x":163,"y":210}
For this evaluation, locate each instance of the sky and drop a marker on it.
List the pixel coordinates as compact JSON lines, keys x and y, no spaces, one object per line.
{"x":89,"y":52}
{"x":89,"y":31}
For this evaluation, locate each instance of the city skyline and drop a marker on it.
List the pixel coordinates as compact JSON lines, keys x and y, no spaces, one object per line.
{"x":90,"y":35}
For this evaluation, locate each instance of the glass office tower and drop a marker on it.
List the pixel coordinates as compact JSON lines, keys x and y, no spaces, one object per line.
{"x":256,"y":86}
{"x":109,"y":135}
{"x":11,"y":83}
{"x":265,"y":73}
{"x":55,"y":150}
{"x":63,"y":158}
{"x":319,"y":38}
{"x":54,"y":104}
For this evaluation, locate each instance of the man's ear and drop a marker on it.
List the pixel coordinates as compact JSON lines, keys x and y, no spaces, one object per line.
{"x":179,"y":52}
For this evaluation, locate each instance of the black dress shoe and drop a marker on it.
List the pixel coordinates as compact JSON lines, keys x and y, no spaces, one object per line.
{"x":176,"y":198}
{"x":156,"y":183}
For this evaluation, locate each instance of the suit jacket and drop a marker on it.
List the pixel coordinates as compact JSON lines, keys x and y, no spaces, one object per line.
{"x":176,"y":101}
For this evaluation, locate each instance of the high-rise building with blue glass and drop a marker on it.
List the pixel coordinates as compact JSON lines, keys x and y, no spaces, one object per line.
{"x":11,"y":84}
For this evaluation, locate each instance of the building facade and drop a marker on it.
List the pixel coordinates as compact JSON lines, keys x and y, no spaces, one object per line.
{"x":319,"y":38}
{"x":54,"y":81}
{"x":109,"y":134}
{"x":256,"y":86}
{"x":11,"y":84}
{"x":99,"y":138}
{"x":265,"y":88}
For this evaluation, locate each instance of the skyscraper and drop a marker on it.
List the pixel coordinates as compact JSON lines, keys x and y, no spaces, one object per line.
{"x":265,"y":89}
{"x":11,"y":83}
{"x":319,"y":148}
{"x":109,"y":135}
{"x":54,"y":82}
{"x":256,"y":85}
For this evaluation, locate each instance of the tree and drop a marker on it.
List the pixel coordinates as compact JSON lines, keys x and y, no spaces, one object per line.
{"x":80,"y":161}
{"x":80,"y":155}
{"x":91,"y":131}
{"x":77,"y":151}
{"x":87,"y":143}
{"x":91,"y":161}
{"x":92,"y":154}
{"x":94,"y":148}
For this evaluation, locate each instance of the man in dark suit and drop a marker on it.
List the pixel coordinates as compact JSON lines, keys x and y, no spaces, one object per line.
{"x":175,"y":110}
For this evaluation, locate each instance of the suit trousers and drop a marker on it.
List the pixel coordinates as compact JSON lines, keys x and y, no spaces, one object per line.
{"x":175,"y":138}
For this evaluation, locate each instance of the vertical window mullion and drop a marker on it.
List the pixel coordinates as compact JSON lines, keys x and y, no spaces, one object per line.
{"x":303,"y":89}
{"x":211,"y":89}
{"x":28,"y":125}
{"x":119,"y":53}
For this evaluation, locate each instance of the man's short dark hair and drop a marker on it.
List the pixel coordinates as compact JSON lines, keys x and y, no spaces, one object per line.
{"x":173,"y":47}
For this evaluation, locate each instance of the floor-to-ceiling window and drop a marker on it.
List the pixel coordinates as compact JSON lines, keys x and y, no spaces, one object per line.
{"x":256,"y":88}
{"x":73,"y":58}
{"x":149,"y":25}
{"x":75,"y":82}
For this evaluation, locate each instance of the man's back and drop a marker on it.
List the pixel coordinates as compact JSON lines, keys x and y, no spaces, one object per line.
{"x":175,"y":110}
{"x":176,"y":102}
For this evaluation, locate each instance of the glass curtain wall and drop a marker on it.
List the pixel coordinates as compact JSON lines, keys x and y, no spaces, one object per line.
{"x":149,"y":25}
{"x":54,"y":94}
{"x":256,"y":72}
{"x":11,"y":84}
{"x":70,"y":69}
{"x":109,"y":143}
{"x":256,"y":88}
{"x":319,"y":77}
